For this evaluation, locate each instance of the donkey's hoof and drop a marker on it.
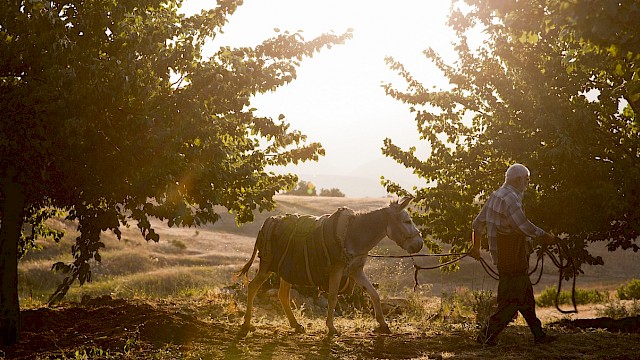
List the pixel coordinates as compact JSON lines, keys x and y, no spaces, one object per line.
{"x":245,"y":329}
{"x":333,"y":332}
{"x":382,"y":329}
{"x":299,"y":329}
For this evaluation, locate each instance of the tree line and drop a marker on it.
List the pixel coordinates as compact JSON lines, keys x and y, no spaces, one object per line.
{"x":308,"y":188}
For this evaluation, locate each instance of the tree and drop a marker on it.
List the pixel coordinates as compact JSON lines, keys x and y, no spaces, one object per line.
{"x":304,"y":188}
{"x":528,"y":94}
{"x":333,"y":192}
{"x":111,"y":114}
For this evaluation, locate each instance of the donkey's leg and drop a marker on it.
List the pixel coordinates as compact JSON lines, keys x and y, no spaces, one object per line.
{"x":335,"y":275}
{"x":360,"y":277}
{"x":253,"y":287}
{"x":284,"y":295}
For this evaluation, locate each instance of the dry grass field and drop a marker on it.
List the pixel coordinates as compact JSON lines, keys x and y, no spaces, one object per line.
{"x":178,"y":299}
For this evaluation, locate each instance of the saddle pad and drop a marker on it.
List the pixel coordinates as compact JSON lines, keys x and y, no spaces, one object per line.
{"x":302,"y":248}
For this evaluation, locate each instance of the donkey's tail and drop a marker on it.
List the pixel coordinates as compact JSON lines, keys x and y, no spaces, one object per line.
{"x":262,"y":236}
{"x":242,"y":274}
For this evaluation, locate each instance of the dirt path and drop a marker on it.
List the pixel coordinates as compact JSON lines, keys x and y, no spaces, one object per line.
{"x":112,"y":328}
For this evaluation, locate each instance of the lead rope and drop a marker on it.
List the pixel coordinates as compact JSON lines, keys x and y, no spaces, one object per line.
{"x":563,"y":252}
{"x":559,"y":263}
{"x":417,"y":268}
{"x":562,"y":266}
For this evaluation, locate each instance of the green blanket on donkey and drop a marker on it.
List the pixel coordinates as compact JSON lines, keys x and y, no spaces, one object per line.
{"x":303,"y":247}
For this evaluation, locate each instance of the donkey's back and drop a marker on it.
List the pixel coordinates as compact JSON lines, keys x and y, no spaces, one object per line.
{"x":300,"y":248}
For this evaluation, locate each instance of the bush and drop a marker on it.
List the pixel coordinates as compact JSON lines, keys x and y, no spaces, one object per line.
{"x":548,"y":297}
{"x":464,"y":304}
{"x":630,"y":291}
{"x":178,"y":244}
{"x":332,"y":192}
{"x":618,"y":310}
{"x":484,"y":304}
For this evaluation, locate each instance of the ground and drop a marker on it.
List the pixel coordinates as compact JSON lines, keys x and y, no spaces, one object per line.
{"x":116,"y":328}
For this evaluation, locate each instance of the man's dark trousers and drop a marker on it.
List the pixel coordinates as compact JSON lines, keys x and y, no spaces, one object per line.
{"x":515,"y":292}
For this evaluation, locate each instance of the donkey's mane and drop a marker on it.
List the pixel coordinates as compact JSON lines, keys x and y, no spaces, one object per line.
{"x":365,"y":212}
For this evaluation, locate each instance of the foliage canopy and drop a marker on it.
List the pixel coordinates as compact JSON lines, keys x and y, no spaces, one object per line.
{"x":554,"y":85}
{"x":111,"y":114}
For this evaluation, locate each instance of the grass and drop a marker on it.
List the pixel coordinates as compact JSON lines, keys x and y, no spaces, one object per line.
{"x":154,"y":284}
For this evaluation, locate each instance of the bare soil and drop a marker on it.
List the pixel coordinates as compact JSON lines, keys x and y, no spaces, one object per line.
{"x":116,"y":328}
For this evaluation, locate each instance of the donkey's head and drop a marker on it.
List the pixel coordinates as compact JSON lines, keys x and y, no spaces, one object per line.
{"x":400,"y":227}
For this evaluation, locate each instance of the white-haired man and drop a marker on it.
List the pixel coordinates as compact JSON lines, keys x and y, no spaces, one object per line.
{"x":510,"y":233}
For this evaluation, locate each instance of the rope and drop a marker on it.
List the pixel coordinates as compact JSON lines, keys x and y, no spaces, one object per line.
{"x":417,"y":268}
{"x":562,"y":248}
{"x":557,"y":261}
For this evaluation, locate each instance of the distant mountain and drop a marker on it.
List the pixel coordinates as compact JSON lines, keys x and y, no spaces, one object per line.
{"x":364,"y":180}
{"x":351,"y":186}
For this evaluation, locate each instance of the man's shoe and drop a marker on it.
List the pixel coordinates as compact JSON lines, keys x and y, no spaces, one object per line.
{"x":545,"y":339}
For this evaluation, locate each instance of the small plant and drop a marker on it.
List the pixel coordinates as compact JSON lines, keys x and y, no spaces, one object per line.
{"x":422,"y":305}
{"x":178,"y":244}
{"x":132,"y":342}
{"x":483,"y":304}
{"x":93,"y":353}
{"x":457,"y":306}
{"x":357,"y":301}
{"x":618,"y":310}
{"x":630,"y":291}
{"x":548,"y":297}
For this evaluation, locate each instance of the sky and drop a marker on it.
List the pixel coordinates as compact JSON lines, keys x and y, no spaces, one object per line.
{"x":337,"y":98}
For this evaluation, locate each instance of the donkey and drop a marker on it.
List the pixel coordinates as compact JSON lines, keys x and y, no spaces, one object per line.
{"x":360,"y":233}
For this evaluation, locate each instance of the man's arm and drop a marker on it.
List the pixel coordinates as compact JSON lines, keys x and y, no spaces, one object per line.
{"x":475,"y":249}
{"x":528,"y":228}
{"x":478,"y":228}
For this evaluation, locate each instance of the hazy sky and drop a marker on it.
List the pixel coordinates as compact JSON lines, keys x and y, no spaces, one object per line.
{"x":337,"y":99}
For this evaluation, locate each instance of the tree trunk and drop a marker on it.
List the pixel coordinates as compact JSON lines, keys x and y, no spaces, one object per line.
{"x":10,"y":228}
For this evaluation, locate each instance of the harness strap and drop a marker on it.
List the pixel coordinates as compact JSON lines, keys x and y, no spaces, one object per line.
{"x":345,"y":287}
{"x":286,"y":250}
{"x":306,"y":263}
{"x":324,"y":245}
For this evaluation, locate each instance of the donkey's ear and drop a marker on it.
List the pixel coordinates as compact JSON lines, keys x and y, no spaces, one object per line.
{"x":404,"y":202}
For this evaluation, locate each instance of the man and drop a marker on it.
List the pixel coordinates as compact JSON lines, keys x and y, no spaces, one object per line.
{"x":509,"y":233}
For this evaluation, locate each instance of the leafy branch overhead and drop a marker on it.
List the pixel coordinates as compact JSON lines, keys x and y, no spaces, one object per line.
{"x":113,"y":114}
{"x":551,"y":84}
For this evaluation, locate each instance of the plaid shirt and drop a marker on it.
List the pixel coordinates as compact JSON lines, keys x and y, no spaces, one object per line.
{"x":503,"y":214}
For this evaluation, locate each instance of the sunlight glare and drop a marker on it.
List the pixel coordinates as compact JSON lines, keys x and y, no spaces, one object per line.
{"x":337,"y":97}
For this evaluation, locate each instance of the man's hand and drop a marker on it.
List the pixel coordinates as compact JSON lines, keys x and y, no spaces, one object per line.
{"x":548,"y":239}
{"x":475,"y":253}
{"x":475,"y":247}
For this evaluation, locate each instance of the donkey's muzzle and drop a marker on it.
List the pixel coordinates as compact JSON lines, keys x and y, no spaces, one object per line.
{"x":415,"y":245}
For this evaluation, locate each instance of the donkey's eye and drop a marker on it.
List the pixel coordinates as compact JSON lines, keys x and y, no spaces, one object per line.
{"x":408,"y":222}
